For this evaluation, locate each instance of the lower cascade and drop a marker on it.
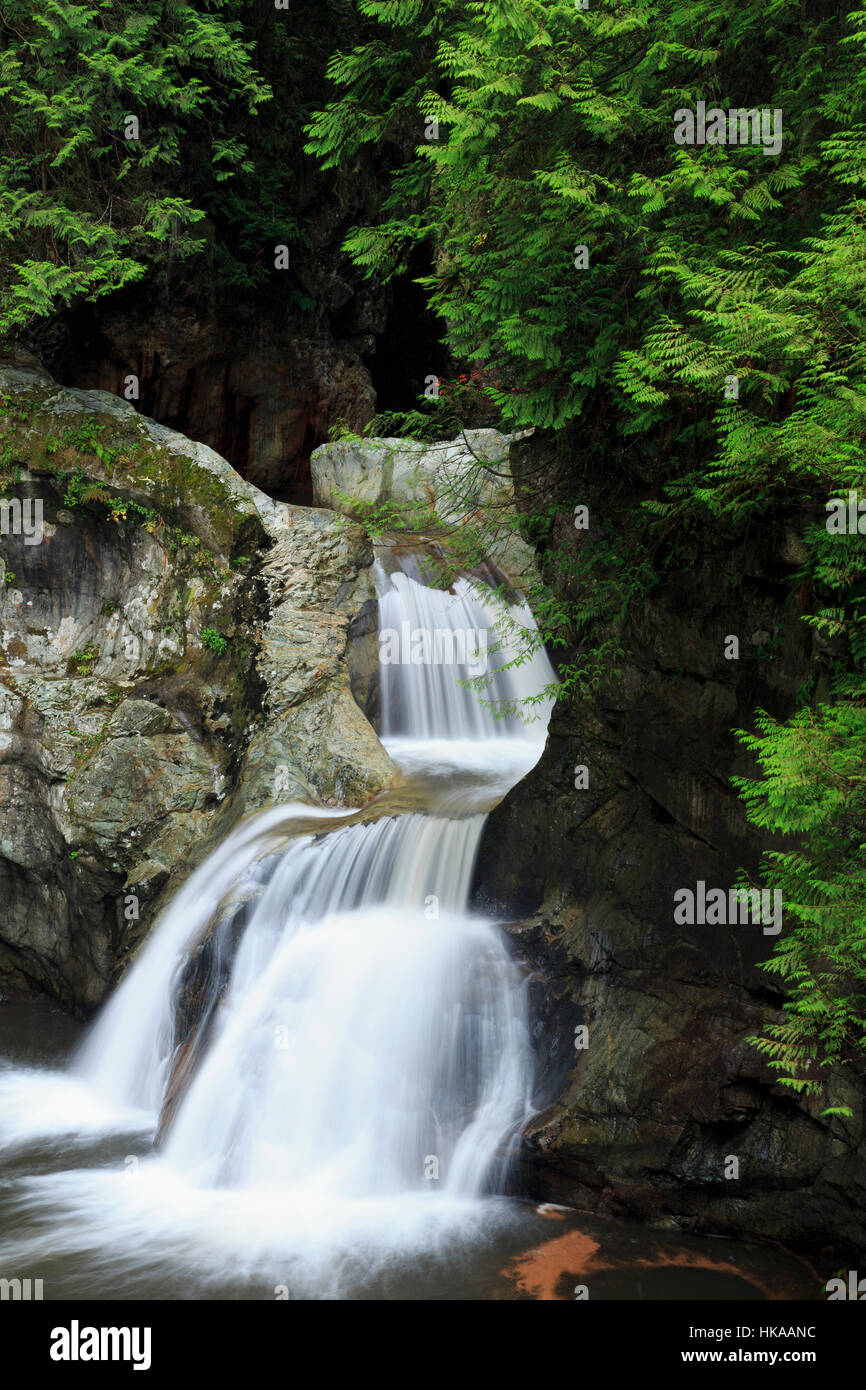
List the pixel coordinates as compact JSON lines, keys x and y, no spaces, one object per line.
{"x":362,"y":1060}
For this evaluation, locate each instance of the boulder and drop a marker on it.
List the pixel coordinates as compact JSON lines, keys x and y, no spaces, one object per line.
{"x":173,"y":656}
{"x":431,"y":486}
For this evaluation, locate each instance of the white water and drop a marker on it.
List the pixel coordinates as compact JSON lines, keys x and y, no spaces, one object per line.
{"x":369,"y":1060}
{"x":427,"y":701}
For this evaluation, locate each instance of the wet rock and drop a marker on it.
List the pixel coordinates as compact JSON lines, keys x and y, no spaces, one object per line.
{"x":173,"y":656}
{"x":428,"y":483}
{"x":665,"y":1088}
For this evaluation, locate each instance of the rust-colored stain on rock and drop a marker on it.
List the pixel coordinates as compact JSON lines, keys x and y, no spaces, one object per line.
{"x":539,"y":1272}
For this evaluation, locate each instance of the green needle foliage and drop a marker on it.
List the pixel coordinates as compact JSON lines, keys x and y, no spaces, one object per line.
{"x":556,"y":131}
{"x":83,"y":209}
{"x":814,"y":788}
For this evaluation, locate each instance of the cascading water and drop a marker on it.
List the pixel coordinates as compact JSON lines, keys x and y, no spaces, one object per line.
{"x":369,"y":1057}
{"x":443,"y":639}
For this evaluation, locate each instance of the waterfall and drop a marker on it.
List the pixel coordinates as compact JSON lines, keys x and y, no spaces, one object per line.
{"x":432,"y":641}
{"x":370,"y":1042}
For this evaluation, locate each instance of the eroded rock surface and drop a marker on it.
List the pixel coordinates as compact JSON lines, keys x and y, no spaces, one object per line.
{"x":173,"y":657}
{"x":467,"y":479}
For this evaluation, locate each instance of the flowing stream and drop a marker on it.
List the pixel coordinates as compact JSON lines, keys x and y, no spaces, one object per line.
{"x":366,"y":1063}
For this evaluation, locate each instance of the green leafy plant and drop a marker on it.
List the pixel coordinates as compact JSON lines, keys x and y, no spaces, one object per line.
{"x":813,"y":788}
{"x":81,"y":662}
{"x":213,"y":641}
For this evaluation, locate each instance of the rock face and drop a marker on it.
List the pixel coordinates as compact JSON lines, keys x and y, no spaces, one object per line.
{"x":257,"y":392}
{"x":173,"y":648}
{"x":644,"y":1119}
{"x":315,"y":744}
{"x":425,"y":485}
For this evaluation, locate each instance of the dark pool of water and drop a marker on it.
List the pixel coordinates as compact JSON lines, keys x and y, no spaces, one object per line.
{"x":527,"y":1253}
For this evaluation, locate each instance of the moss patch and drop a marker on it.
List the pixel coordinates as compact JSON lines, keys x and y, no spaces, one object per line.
{"x":99,"y":457}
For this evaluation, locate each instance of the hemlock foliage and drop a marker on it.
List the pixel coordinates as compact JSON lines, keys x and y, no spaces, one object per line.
{"x":220,"y":90}
{"x":83,"y":209}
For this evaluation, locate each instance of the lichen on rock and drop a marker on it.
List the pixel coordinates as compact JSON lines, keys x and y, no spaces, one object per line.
{"x":172,"y":657}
